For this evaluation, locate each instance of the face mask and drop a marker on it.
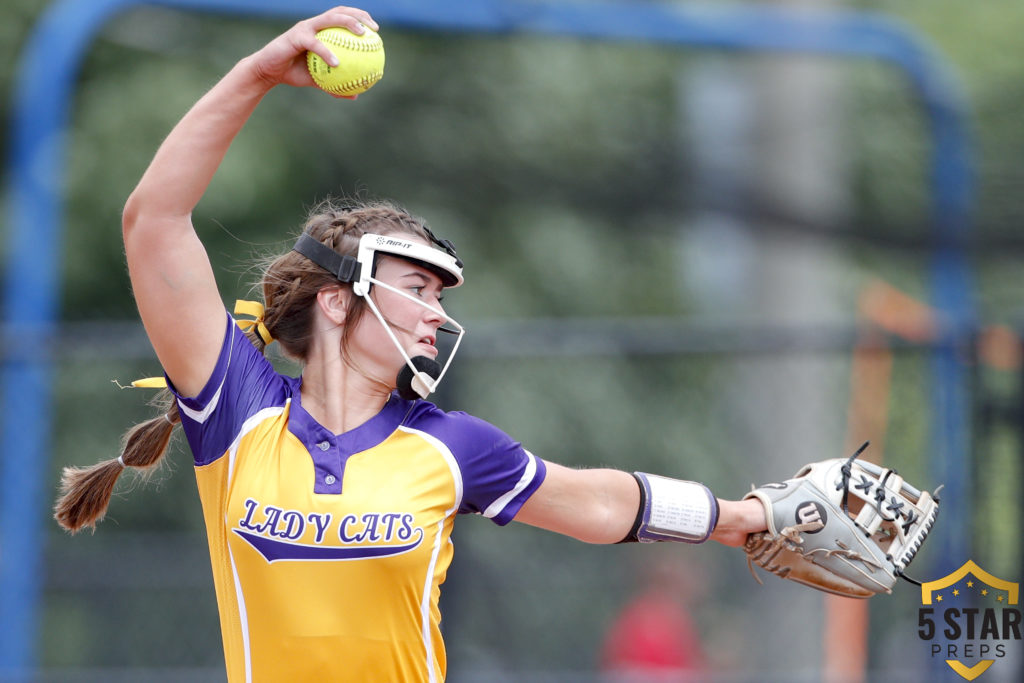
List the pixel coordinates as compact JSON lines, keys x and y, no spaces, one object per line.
{"x":421,"y":375}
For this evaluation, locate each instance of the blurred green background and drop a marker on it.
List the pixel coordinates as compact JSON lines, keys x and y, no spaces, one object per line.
{"x":737,"y":205}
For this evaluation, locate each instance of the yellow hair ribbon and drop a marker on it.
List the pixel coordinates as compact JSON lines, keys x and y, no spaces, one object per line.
{"x":150,"y":383}
{"x":256,"y":310}
{"x":253,"y":308}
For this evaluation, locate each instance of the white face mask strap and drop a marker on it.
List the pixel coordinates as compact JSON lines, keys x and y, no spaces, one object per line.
{"x":429,"y":383}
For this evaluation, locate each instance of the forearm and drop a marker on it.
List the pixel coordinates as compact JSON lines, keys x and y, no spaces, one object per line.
{"x":590,"y":505}
{"x":172,"y":279}
{"x":737,"y":519}
{"x":185,"y":163}
{"x":604,"y":505}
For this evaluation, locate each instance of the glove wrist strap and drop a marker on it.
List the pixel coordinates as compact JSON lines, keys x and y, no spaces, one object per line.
{"x":673,"y":510}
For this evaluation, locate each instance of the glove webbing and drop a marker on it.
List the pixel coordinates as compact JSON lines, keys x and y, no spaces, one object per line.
{"x":844,"y":485}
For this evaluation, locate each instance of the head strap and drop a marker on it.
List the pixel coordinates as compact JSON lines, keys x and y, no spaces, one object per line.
{"x":444,"y":244}
{"x":344,"y":268}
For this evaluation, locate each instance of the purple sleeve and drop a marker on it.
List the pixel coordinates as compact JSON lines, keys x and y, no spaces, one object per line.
{"x":498,"y":474}
{"x":242,"y":383}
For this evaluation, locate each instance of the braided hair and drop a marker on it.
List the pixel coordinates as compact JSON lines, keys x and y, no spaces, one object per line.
{"x":290,"y":283}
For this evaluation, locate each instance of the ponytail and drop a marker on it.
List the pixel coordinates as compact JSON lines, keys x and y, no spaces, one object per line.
{"x":85,"y":491}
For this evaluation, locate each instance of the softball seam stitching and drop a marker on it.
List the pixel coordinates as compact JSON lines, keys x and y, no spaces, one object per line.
{"x":367,"y":80}
{"x":351,"y":43}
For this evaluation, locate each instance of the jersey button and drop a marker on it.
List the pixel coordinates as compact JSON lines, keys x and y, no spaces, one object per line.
{"x":323,"y":445}
{"x":329,"y":479}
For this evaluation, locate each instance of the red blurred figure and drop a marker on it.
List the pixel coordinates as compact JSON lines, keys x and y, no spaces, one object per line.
{"x":653,"y":637}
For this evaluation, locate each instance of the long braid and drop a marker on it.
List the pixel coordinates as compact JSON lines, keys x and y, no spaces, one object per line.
{"x":290,"y":285}
{"x":85,"y":491}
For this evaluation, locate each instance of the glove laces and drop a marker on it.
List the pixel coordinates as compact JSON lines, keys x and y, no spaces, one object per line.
{"x":844,"y":486}
{"x":847,"y":471}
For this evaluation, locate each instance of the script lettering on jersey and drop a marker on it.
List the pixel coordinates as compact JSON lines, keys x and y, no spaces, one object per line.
{"x":278,"y":533}
{"x":276,"y":522}
{"x":375,"y":527}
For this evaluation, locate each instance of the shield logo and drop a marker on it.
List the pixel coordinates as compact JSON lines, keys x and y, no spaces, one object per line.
{"x":969,"y":617}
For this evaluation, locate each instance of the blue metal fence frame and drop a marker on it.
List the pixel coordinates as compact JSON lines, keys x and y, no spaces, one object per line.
{"x":41,"y":109}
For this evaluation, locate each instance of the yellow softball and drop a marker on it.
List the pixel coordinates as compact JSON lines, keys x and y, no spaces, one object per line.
{"x":360,"y":61}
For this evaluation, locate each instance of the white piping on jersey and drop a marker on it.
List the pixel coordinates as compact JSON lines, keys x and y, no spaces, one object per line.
{"x":442,"y":448}
{"x":428,"y":582}
{"x":250,"y":424}
{"x":243,"y":619}
{"x":499,"y":504}
{"x":201,"y":415}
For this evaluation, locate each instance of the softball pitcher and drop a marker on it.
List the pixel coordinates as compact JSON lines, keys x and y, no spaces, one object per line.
{"x":329,"y":499}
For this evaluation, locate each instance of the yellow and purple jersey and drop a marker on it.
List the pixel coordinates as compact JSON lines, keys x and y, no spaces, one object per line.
{"x":329,"y":550}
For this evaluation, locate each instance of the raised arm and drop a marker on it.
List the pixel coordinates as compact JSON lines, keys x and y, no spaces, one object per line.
{"x":600,"y":506}
{"x":172,"y":280}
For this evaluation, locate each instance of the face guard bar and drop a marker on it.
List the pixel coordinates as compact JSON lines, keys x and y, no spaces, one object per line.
{"x":359,"y":271}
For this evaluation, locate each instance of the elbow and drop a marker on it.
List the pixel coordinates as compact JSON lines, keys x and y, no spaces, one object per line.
{"x":608,"y":525}
{"x":597,"y":507}
{"x":129,"y":216}
{"x":602,"y":539}
{"x":143,"y":219}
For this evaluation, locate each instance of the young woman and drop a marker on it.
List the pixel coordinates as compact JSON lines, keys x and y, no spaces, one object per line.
{"x":329,"y":499}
